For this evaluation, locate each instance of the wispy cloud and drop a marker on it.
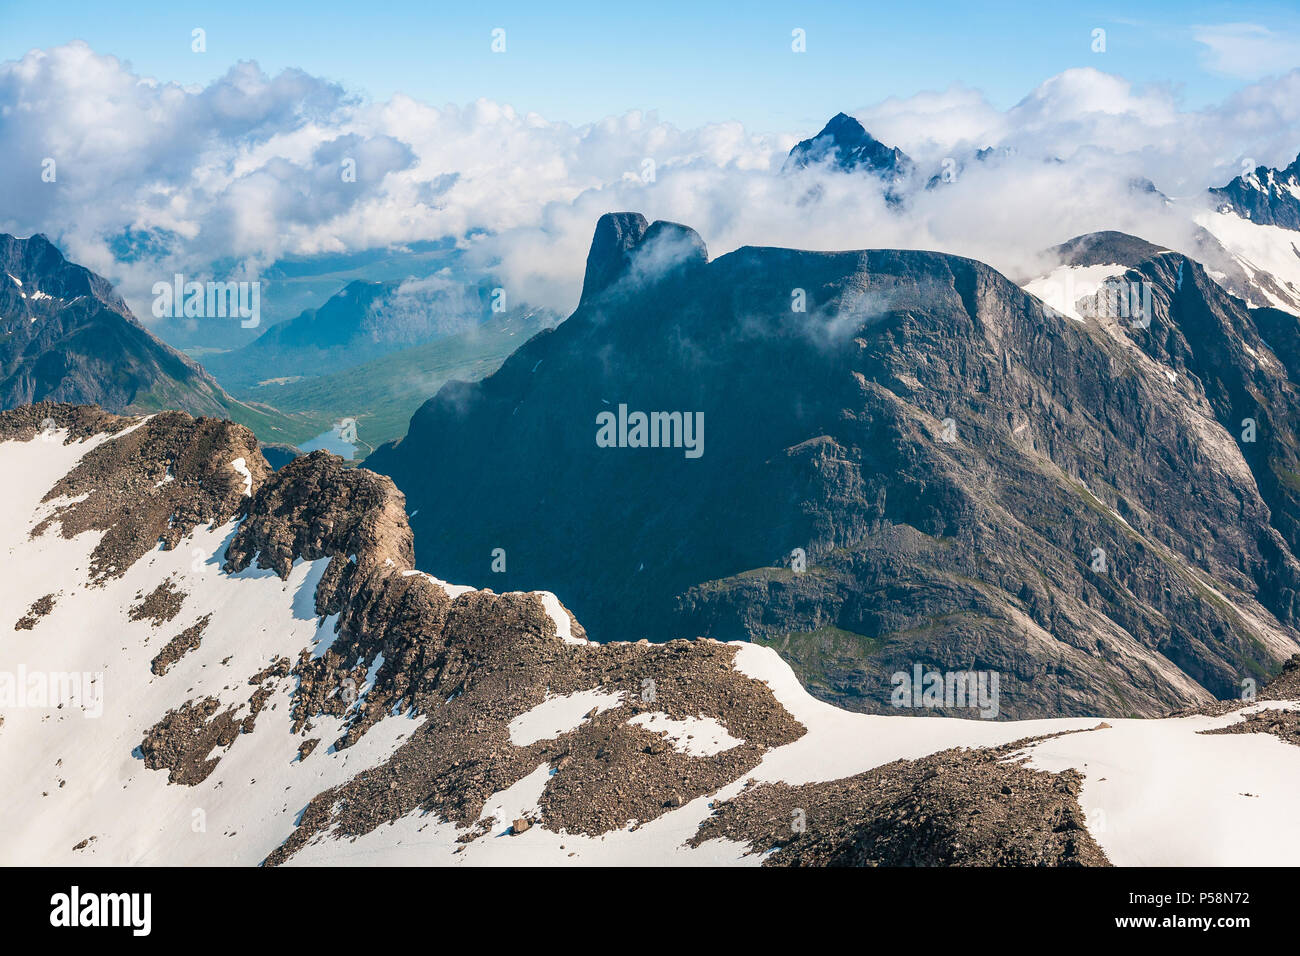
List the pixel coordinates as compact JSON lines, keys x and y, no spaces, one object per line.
{"x":1247,"y":50}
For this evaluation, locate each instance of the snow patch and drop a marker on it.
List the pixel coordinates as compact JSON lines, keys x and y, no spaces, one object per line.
{"x":563,"y":624}
{"x":559,"y":715}
{"x":1264,"y":252}
{"x":696,"y":736}
{"x":241,"y":466}
{"x":452,"y":591}
{"x":1063,"y":287}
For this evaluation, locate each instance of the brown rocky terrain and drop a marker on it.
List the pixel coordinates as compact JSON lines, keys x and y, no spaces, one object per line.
{"x":472,"y":664}
{"x":155,"y":484}
{"x":954,"y":808}
{"x":39,"y":609}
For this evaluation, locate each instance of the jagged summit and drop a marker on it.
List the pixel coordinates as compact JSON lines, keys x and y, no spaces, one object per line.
{"x":845,"y":145}
{"x":1268,"y":197}
{"x":626,"y":245}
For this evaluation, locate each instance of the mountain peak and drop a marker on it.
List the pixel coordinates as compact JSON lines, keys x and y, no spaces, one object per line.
{"x":848,"y":147}
{"x":846,"y":125}
{"x":622,"y":237}
{"x":617,"y":234}
{"x":1267,"y":196}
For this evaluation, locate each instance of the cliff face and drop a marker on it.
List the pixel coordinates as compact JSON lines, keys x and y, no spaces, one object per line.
{"x":974,"y":481}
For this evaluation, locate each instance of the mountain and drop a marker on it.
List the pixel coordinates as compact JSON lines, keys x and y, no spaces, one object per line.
{"x":927,"y":465}
{"x":1106,"y":253}
{"x":67,"y":336}
{"x":296,"y":284}
{"x":1269,"y":197}
{"x":361,"y":322}
{"x":277,"y":684}
{"x":1256,"y":218}
{"x":316,"y":340}
{"x":845,"y":146}
{"x":382,"y":394}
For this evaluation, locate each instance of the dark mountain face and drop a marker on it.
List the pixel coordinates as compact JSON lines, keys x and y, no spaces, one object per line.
{"x":973,"y":481}
{"x":846,"y":146}
{"x":66,"y":336}
{"x":1270,"y":197}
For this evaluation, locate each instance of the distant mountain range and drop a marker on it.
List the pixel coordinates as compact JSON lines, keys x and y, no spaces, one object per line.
{"x":382,"y":394}
{"x":361,"y":322}
{"x":373,"y":353}
{"x":293,"y":285}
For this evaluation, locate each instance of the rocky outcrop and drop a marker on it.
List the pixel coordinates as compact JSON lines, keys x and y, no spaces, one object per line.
{"x":474,"y":662}
{"x":953,"y":808}
{"x":626,"y":253}
{"x":160,"y":478}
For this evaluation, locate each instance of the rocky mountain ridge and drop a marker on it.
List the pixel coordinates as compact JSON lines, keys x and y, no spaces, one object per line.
{"x":1269,"y":197}
{"x":468,"y":726}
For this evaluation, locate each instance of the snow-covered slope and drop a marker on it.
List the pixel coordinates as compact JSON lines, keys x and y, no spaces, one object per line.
{"x":1269,"y":255}
{"x":454,"y":726}
{"x":1066,"y":286}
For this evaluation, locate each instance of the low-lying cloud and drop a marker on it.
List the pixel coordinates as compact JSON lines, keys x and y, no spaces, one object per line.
{"x":152,"y":178}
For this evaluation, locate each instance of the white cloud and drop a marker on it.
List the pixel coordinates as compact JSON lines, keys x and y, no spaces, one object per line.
{"x":250,"y":168}
{"x":1246,"y":50}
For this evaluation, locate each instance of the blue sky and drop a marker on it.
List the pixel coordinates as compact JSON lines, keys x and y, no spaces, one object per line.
{"x":690,"y":62}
